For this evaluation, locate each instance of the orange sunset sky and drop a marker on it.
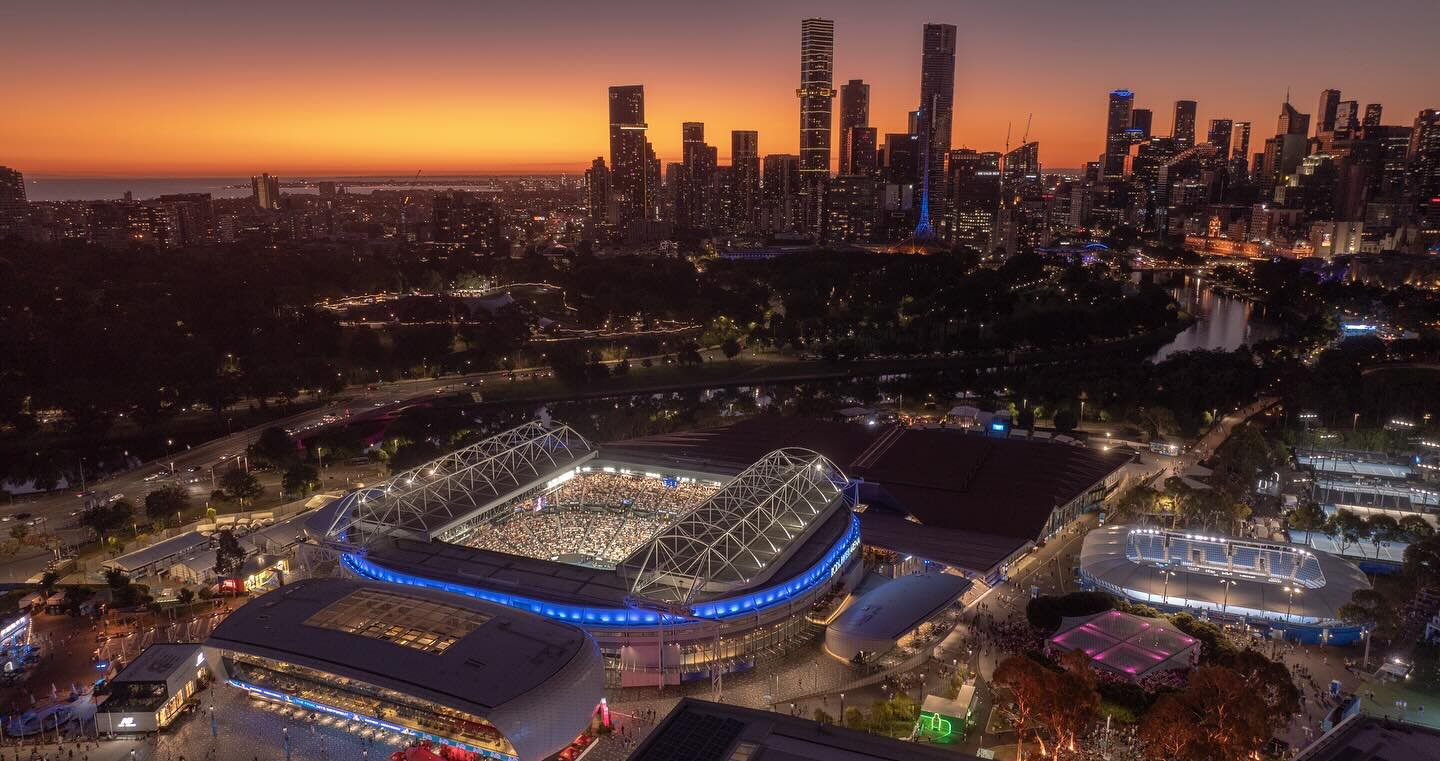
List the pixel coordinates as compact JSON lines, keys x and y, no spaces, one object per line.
{"x":204,"y":89}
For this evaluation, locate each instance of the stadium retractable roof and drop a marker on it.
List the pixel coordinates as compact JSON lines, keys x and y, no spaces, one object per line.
{"x":740,"y":534}
{"x":424,"y":501}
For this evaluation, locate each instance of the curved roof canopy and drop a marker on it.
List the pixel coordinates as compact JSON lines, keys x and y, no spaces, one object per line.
{"x":424,"y":501}
{"x":740,"y":534}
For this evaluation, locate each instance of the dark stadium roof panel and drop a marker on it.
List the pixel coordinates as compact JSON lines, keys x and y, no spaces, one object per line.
{"x":974,"y":499}
{"x":496,"y":661}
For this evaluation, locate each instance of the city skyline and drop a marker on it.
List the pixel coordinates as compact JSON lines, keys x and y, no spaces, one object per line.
{"x":332,"y":96}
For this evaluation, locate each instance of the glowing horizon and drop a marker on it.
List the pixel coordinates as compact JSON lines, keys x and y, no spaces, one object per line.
{"x":170,"y":89}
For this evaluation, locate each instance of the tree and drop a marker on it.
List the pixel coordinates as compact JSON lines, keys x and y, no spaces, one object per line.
{"x":276,"y":447}
{"x":1046,"y":611}
{"x":103,"y":519}
{"x":19,"y":531}
{"x":1382,"y":528}
{"x":1074,"y":702}
{"x":1369,"y":607}
{"x":1416,"y":528}
{"x":1307,"y":517}
{"x":1348,"y":526}
{"x":1065,"y":420}
{"x":229,"y":555}
{"x":1031,"y":684}
{"x":1025,"y":418}
{"x":821,"y":717}
{"x":730,"y":347}
{"x":689,"y":354}
{"x":239,"y":485}
{"x":300,"y":479}
{"x":185,"y":595}
{"x":1218,"y":715}
{"x":48,"y":580}
{"x":166,"y":501}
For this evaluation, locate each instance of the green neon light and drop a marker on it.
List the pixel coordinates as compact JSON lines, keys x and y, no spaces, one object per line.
{"x":936,"y":724}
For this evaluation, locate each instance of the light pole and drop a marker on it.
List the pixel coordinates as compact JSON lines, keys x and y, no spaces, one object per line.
{"x":1226,"y":604}
{"x":1365,"y":634}
{"x":1166,"y":594}
{"x":1289,"y":606}
{"x":82,"y":477}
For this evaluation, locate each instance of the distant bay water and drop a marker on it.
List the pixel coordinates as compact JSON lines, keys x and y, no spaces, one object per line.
{"x":141,"y":188}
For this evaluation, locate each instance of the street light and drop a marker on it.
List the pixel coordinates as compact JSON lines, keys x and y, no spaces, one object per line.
{"x":1226,"y":604}
{"x":1289,"y":606}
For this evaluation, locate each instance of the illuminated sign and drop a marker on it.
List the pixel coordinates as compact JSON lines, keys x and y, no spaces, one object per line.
{"x":939,"y":726}
{"x":126,"y":723}
{"x":200,"y":659}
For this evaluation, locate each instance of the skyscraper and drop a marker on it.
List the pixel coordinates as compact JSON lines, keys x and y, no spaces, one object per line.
{"x":1240,"y":148}
{"x":628,"y":155}
{"x":780,"y":192}
{"x":597,"y":192}
{"x":854,"y":112}
{"x":816,"y":92}
{"x":860,"y":150}
{"x":1183,"y":129}
{"x":1347,"y":116}
{"x":14,"y":208}
{"x":937,"y":105}
{"x":265,"y":190}
{"x":1117,"y":140}
{"x":975,"y":195}
{"x":1292,"y":122}
{"x":1141,"y":119}
{"x":745,"y":170}
{"x":1422,"y":185}
{"x":1372,"y":114}
{"x":1220,"y":135}
{"x":1325,"y":112}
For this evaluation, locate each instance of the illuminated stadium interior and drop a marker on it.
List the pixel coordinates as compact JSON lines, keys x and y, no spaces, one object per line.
{"x":1260,"y":560}
{"x":720,"y":566}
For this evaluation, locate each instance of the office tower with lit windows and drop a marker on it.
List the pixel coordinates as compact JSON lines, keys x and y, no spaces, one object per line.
{"x":597,"y":193}
{"x":1422,"y":187}
{"x":14,"y":208}
{"x":854,"y":114}
{"x":1221,"y":131}
{"x":902,"y":158}
{"x":1291,"y":121}
{"x":1182,"y":130}
{"x":1142,"y":119}
{"x":1373,"y":113}
{"x":628,"y":154}
{"x":745,"y":175}
{"x":937,"y":105}
{"x":1284,"y":152}
{"x":265,"y":191}
{"x":694,"y":197}
{"x":852,"y":207}
{"x":1325,"y":112}
{"x":1347,"y":116}
{"x":780,"y":192}
{"x":1117,"y":136}
{"x":816,"y":94}
{"x":974,"y":193}
{"x":861,"y":150}
{"x":1240,"y":149}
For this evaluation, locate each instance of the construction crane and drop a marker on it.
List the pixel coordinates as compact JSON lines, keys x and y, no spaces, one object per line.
{"x":1026,"y":137}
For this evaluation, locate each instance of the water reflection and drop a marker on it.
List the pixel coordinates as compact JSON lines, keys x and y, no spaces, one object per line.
{"x":1224,"y":323}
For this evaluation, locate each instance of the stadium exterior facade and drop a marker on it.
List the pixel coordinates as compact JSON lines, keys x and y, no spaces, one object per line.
{"x":719,"y":589}
{"x":1286,"y":588}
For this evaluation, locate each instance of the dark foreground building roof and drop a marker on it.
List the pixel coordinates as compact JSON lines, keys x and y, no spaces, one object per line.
{"x":1370,"y":738}
{"x":535,"y":679}
{"x":960,"y":498}
{"x":698,"y":730}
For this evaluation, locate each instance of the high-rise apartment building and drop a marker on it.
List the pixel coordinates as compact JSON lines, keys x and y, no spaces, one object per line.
{"x":265,"y":190}
{"x":816,"y":94}
{"x":14,"y":208}
{"x":1141,"y":120}
{"x":629,"y":155}
{"x":745,"y":175}
{"x":1220,"y":134}
{"x":597,"y":193}
{"x":1373,"y":113}
{"x":1325,"y":112}
{"x":780,"y":192}
{"x":1117,"y":138}
{"x":937,"y":105}
{"x":861,"y":151}
{"x":1347,"y":116}
{"x":1240,"y":149}
{"x":854,"y":113}
{"x":1182,"y":130}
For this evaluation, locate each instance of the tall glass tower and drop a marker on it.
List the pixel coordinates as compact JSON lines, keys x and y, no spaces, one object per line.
{"x":937,"y":106}
{"x":816,"y":93}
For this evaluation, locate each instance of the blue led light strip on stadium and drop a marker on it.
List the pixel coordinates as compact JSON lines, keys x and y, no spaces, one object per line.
{"x":828,"y":567}
{"x":360,"y":717}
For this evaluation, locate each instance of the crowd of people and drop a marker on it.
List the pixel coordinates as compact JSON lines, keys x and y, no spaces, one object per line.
{"x":644,"y":493}
{"x":604,"y":537}
{"x":601,"y":516}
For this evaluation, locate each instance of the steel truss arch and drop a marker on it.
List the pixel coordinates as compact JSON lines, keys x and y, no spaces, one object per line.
{"x":423,"y":501}
{"x":741,"y":533}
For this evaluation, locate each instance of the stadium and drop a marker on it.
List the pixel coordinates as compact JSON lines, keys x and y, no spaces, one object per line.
{"x":686,"y":556}
{"x":1284,"y":587}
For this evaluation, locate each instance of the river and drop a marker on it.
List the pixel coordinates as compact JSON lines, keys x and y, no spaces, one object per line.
{"x":1223,"y":322}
